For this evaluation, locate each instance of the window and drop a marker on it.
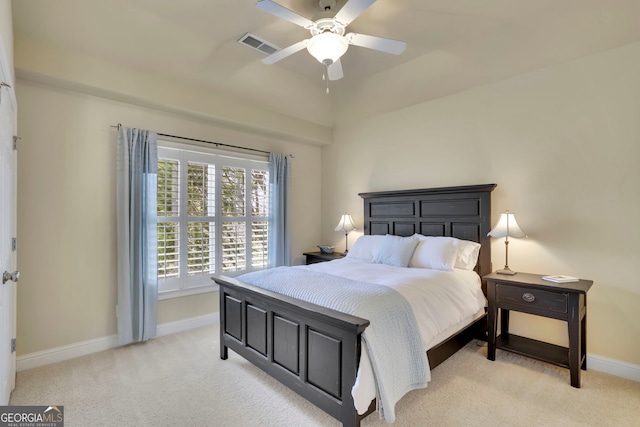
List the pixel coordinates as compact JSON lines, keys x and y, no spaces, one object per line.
{"x":212,"y":218}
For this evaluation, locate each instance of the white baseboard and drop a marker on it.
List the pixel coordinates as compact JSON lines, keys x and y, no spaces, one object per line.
{"x":613,"y":367}
{"x":185,"y":325}
{"x":66,"y":352}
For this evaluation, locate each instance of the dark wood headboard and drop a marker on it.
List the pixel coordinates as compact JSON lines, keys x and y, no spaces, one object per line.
{"x":463,"y":212}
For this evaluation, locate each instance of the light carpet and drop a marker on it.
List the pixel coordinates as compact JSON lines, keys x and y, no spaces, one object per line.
{"x":179,"y":380}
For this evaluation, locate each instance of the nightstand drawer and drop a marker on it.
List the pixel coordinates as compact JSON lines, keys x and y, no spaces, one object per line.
{"x":315,"y":260}
{"x":315,"y":257}
{"x":531,"y":298}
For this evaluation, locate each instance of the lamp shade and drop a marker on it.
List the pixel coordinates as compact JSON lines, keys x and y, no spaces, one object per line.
{"x":327,"y":47}
{"x":507,"y":226}
{"x":346,"y":224}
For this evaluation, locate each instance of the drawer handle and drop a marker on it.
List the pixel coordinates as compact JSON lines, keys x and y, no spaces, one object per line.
{"x":528,"y":297}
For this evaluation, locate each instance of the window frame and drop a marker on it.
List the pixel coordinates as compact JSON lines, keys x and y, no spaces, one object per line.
{"x":188,"y":285}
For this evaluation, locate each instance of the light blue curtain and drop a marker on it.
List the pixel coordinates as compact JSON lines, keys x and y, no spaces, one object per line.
{"x":137,"y":180}
{"x":279,"y":228}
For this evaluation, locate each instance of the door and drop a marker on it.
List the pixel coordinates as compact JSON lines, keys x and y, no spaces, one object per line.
{"x":9,"y":276}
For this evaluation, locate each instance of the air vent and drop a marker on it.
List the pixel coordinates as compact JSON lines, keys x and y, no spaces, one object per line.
{"x":257,"y":44}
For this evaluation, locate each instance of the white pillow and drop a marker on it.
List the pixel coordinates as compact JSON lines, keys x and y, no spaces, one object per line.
{"x":366,"y":247}
{"x":467,"y":254}
{"x":395,"y":250}
{"x":437,"y":253}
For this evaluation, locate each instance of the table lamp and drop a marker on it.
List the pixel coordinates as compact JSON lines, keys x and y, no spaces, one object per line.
{"x":506,"y":227}
{"x":346,"y":224}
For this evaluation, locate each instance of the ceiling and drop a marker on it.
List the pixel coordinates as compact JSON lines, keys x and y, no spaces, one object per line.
{"x":452,"y":45}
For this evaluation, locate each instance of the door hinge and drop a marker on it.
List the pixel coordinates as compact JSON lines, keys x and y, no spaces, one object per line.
{"x":14,"y":244}
{"x":3,"y":84}
{"x":15,"y":142}
{"x":13,"y":345}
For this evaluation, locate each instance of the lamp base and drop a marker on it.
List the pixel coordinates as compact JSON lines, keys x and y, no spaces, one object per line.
{"x":507,"y":271}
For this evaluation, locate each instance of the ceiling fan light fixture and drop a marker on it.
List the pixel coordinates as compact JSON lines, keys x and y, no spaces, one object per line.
{"x":327,"y":47}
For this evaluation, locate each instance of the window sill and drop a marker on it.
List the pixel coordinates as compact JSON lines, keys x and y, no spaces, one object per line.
{"x":186,"y":292}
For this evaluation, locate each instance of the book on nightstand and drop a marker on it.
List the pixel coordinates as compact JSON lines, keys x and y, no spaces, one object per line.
{"x":560,"y":278}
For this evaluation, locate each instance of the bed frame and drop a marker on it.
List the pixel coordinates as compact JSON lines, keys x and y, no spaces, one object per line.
{"x":314,"y":350}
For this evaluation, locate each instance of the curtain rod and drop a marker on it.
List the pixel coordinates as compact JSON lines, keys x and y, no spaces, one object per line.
{"x":217,"y":144}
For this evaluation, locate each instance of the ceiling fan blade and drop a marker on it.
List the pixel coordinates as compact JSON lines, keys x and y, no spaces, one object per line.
{"x":283,"y":53}
{"x":395,"y":47}
{"x":284,"y":13}
{"x":334,"y":71}
{"x":352,"y":10}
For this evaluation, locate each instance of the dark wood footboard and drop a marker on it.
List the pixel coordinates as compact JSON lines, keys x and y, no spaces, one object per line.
{"x":311,"y":349}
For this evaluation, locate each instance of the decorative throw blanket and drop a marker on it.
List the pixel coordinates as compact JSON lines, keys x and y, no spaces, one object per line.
{"x":393,"y":342}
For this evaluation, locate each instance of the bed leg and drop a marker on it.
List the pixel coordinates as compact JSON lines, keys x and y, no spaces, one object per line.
{"x":352,"y":421}
{"x":224,"y":352}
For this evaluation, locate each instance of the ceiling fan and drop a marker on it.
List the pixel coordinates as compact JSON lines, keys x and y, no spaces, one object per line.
{"x":328,"y":40}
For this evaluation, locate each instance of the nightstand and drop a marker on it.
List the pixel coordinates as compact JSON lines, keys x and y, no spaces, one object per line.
{"x":528,"y":293}
{"x":314,"y":257}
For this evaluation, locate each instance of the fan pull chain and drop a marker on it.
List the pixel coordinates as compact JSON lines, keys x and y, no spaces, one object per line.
{"x":325,"y":74}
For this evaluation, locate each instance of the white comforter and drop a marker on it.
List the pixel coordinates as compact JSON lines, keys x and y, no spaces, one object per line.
{"x":443,"y":302}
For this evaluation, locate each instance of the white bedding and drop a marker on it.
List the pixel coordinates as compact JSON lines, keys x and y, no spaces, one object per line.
{"x":443,"y":302}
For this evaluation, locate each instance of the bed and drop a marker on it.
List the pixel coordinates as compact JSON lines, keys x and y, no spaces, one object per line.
{"x":316,"y":351}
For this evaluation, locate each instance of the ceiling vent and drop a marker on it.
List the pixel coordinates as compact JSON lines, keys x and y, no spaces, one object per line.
{"x":257,"y":44}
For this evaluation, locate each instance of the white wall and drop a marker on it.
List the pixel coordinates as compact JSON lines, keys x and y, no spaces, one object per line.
{"x":563,"y":145}
{"x":66,"y":210}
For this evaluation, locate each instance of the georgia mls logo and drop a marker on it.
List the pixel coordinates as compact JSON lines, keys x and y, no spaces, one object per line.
{"x":31,"y":416}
